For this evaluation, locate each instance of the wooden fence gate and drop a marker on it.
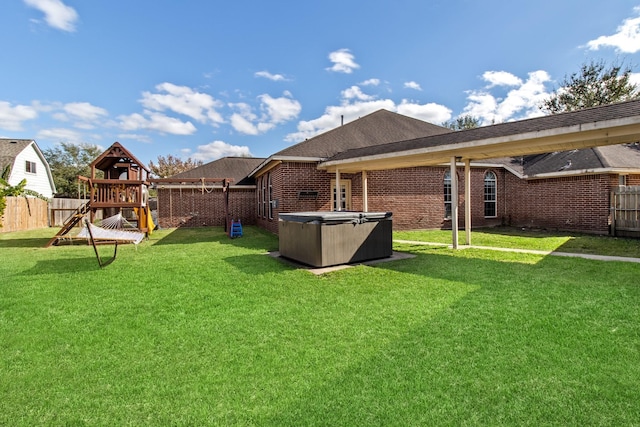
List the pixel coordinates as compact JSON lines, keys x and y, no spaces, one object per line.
{"x":625,"y":211}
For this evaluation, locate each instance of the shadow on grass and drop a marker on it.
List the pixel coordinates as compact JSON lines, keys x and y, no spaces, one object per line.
{"x":23,"y":243}
{"x":486,"y":351}
{"x":63,"y":266}
{"x":253,"y":237}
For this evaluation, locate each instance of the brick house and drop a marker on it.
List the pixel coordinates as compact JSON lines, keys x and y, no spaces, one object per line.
{"x":369,"y":158}
{"x":194,"y":198}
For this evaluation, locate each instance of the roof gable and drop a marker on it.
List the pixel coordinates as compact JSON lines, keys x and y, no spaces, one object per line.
{"x":115,"y":154}
{"x":9,"y":150}
{"x":379,"y":127}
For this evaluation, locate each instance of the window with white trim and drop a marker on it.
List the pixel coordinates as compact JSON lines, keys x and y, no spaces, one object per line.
{"x":30,"y":167}
{"x":490,"y":195}
{"x":270,"y":192}
{"x":447,"y":194}
{"x":259,"y":196}
{"x":345,"y":195}
{"x":264,"y":196}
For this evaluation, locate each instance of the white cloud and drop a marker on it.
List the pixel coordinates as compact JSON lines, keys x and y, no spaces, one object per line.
{"x":134,"y":137}
{"x":280,"y":110}
{"x":430,"y":112}
{"x":331,"y":118}
{"x":521,"y":102}
{"x":83,"y":114}
{"x":218,"y":149}
{"x":11,"y":117}
{"x":57,"y":14}
{"x":275,"y":111}
{"x":625,"y":40}
{"x":268,"y":75}
{"x":183,"y":100}
{"x":412,"y":85}
{"x":501,"y":78}
{"x":157,"y":122}
{"x":85,"y":111}
{"x":354,"y":92}
{"x":61,"y":135}
{"x":244,"y":124}
{"x":370,"y":82}
{"x":343,"y":61}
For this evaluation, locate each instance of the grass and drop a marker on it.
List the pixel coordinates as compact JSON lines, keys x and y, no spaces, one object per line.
{"x":192,"y":328}
{"x":515,"y":238}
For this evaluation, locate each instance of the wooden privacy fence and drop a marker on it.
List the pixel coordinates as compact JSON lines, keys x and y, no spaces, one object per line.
{"x":24,"y":213}
{"x":625,"y":211}
{"x":61,"y":209}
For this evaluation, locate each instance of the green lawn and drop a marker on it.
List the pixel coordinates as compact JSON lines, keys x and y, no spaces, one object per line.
{"x":193,"y":328}
{"x":514,"y":238}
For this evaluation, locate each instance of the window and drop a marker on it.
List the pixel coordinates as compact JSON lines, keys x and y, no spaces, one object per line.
{"x":490,"y":210}
{"x":264,"y":196}
{"x":345,"y":195}
{"x":259,"y":197}
{"x":270,"y":191}
{"x":447,"y":195}
{"x":30,"y":167}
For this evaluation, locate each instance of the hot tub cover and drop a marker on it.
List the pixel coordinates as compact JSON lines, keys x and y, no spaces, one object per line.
{"x":334,"y":217}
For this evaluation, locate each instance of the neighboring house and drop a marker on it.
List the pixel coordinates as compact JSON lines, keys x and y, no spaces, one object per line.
{"x":560,"y":190}
{"x":187,"y":200}
{"x":26,"y":162}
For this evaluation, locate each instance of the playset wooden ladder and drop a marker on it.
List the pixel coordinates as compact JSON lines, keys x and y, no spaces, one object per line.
{"x":71,"y":222}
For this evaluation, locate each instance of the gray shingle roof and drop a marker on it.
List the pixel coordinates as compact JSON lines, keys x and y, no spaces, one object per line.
{"x":236,"y":168}
{"x":574,"y":118}
{"x":622,"y":156}
{"x":10,"y":148}
{"x":380,"y":127}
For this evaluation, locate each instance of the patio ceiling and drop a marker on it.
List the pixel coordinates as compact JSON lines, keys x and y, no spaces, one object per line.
{"x":582,"y":129}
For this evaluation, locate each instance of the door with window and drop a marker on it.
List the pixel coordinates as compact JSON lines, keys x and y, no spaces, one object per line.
{"x":344,"y":198}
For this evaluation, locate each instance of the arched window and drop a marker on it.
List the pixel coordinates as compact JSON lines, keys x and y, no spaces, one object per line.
{"x":490,"y":195}
{"x":447,"y":195}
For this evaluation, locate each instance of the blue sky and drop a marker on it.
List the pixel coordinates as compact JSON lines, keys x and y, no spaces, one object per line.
{"x":206,"y":78}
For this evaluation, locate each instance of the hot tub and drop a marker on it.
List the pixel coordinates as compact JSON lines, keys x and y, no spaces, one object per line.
{"x":322,"y":239}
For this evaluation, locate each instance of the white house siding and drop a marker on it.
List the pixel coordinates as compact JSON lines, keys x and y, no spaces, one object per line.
{"x":39,"y":181}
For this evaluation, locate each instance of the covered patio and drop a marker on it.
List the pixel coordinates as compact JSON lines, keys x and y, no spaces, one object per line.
{"x":599,"y":126}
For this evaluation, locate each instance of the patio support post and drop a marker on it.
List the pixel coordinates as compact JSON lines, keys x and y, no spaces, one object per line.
{"x":467,"y":201}
{"x":338,"y":192}
{"x":454,"y":204}
{"x":365,"y":196}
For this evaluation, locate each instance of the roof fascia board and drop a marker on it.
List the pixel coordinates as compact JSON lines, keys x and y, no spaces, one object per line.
{"x":583,"y":172}
{"x":46,"y":165}
{"x":262,"y":167}
{"x":609,"y":132}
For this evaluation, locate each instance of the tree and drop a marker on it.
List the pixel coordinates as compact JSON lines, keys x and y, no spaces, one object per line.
{"x":594,"y":85}
{"x":67,"y":161}
{"x":463,"y":122}
{"x":170,"y":165}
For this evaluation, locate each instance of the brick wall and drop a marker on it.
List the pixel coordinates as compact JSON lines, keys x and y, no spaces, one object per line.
{"x":571,"y":203}
{"x":188,"y":207}
{"x":414,"y":195}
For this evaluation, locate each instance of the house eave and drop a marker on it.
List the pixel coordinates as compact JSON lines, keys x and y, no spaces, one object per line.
{"x":273,"y":161}
{"x":599,"y":133}
{"x":583,"y":172}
